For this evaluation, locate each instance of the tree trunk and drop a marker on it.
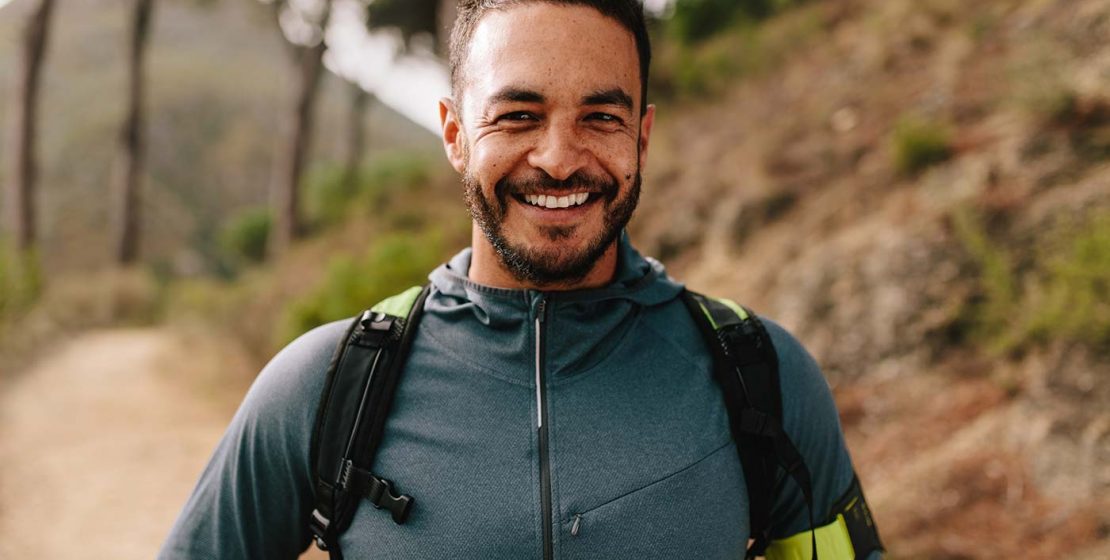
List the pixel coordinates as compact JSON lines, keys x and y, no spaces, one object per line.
{"x":287,"y":223}
{"x":356,"y":138}
{"x":23,"y":171}
{"x":132,"y":146}
{"x":445,"y":21}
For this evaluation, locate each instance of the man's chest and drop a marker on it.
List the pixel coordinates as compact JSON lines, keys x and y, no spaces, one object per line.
{"x":628,"y":456}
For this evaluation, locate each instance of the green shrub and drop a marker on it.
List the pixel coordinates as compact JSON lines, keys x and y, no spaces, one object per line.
{"x":745,"y":49}
{"x":991,"y":313}
{"x":244,"y":239}
{"x":398,"y":171}
{"x":1075,"y":302}
{"x":918,"y":144}
{"x":330,"y":193}
{"x":392,"y":264}
{"x":696,"y":20}
{"x":1065,"y":293}
{"x":702,"y":73}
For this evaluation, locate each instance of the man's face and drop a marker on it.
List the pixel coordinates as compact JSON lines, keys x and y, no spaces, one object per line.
{"x":550,"y":138}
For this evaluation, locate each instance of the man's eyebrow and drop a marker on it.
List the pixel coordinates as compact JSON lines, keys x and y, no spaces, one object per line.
{"x":614,"y":96}
{"x":516,"y":95}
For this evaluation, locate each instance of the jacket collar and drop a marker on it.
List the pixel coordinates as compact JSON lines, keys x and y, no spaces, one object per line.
{"x":637,"y":279}
{"x":583,"y":327}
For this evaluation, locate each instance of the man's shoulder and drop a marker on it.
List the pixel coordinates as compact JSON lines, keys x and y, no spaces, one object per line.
{"x":312,"y":348}
{"x":791,"y":352}
{"x":800,"y":377}
{"x":297,"y":373}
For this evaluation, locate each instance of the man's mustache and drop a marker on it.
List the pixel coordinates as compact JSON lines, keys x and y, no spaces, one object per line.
{"x":546,"y":184}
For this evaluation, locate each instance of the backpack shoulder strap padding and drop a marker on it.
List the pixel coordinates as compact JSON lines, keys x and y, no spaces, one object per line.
{"x":745,"y":366}
{"x":399,"y":305}
{"x":361,"y":379}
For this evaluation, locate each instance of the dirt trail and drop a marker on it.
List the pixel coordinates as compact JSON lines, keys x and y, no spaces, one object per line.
{"x":100,"y":443}
{"x":102,"y":440}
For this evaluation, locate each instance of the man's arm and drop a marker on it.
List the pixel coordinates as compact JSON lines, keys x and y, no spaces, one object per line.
{"x":811,"y":420}
{"x":254,"y":497}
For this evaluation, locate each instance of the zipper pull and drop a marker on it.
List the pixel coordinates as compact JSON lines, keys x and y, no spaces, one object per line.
{"x":345,"y":474}
{"x":576,"y":525}
{"x":542,"y":311}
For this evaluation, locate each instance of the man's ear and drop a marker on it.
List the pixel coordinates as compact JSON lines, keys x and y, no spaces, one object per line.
{"x":453,"y":137}
{"x":646,"y":123}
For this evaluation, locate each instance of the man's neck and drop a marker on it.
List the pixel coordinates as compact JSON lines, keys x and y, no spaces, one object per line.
{"x":487,"y":269}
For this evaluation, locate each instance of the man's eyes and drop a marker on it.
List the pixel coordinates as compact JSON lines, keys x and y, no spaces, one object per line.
{"x":517,"y":117}
{"x":528,"y":117}
{"x":605,"y":118}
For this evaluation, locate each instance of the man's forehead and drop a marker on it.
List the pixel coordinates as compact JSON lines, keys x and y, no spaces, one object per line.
{"x":554,"y":50}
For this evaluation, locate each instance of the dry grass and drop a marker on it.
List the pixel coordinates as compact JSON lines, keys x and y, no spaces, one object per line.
{"x":71,"y":304}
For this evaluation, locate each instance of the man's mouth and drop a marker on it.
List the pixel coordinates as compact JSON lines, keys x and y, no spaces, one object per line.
{"x":552,"y":201}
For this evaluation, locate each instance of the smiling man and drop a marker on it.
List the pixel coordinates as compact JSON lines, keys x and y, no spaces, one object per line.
{"x":551,"y":393}
{"x":549,"y":130}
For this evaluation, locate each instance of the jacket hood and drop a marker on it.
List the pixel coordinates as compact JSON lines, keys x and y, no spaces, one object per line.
{"x":582,"y":327}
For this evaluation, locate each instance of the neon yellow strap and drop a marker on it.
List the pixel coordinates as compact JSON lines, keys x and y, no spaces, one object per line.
{"x":400,"y":304}
{"x":708,"y":315}
{"x":833,"y":543}
{"x":728,"y":303}
{"x":735,"y":307}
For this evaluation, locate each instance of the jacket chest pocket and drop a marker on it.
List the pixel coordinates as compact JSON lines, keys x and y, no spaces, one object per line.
{"x":697,"y":512}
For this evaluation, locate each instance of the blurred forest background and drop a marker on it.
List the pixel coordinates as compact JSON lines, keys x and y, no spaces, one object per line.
{"x":919,"y":190}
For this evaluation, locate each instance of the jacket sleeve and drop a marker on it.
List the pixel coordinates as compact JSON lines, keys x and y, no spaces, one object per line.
{"x":254,"y":497}
{"x":811,"y":420}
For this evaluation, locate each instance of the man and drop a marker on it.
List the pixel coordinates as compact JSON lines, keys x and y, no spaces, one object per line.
{"x":557,"y":401}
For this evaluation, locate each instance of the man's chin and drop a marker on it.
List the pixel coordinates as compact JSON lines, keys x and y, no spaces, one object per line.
{"x":550,"y":262}
{"x":550,"y":250}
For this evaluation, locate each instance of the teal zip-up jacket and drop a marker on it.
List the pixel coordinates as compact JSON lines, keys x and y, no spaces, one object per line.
{"x":638,"y":462}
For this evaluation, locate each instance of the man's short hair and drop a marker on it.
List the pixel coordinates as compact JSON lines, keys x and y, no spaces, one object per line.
{"x":628,"y":13}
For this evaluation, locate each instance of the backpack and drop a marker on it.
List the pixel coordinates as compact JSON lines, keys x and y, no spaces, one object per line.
{"x":365,"y":368}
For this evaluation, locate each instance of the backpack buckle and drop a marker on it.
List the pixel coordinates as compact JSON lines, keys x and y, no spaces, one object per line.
{"x":380,"y":494}
{"x":374,"y":329}
{"x":319,"y":525}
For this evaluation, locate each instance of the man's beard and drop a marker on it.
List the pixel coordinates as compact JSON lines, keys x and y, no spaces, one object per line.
{"x":559,"y":266}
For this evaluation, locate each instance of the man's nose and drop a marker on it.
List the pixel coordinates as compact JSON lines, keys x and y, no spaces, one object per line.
{"x":559,"y":153}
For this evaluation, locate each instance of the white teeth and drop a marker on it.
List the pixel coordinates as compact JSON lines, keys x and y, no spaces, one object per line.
{"x":551,"y":201}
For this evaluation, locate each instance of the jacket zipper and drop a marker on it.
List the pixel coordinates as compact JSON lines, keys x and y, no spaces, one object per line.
{"x":541,"y":423}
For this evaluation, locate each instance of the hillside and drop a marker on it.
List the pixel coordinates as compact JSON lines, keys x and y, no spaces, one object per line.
{"x":958,"y":301}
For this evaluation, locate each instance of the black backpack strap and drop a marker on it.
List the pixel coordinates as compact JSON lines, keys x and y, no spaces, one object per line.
{"x":745,"y":365}
{"x":361,"y":380}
